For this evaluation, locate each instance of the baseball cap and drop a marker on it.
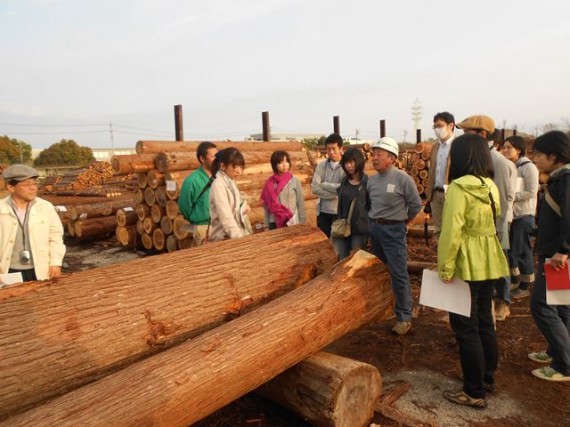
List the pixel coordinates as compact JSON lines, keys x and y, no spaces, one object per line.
{"x":478,"y":122}
{"x":19,"y":173}
{"x":387,"y":144}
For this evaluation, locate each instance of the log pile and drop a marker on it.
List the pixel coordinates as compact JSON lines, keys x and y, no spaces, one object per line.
{"x":2,"y":183}
{"x":97,"y":179}
{"x":162,"y":166}
{"x":416,"y":163}
{"x":116,"y":320}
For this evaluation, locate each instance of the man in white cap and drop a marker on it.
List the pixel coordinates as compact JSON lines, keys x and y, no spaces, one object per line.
{"x":394,"y":200}
{"x":505,"y":178}
{"x":31,"y":234}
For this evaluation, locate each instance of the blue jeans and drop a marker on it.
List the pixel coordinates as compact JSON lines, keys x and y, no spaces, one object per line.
{"x":520,"y":255}
{"x":553,"y":321}
{"x":503,"y":286}
{"x":389,"y":244}
{"x":343,"y":246}
{"x":477,"y":340}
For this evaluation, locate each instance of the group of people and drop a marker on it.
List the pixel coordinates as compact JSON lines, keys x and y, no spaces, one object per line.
{"x":484,"y":207}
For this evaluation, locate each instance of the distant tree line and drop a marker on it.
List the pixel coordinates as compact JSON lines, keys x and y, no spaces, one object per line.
{"x":64,"y":153}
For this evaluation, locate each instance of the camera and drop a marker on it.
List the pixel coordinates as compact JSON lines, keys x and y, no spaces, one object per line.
{"x":25,"y":257}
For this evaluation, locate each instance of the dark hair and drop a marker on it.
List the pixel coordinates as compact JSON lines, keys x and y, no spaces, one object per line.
{"x":230,"y":156}
{"x":446,"y":117}
{"x":470,"y":155}
{"x":277,"y":157}
{"x":334,"y":138}
{"x":355,"y":155}
{"x":518,"y":144}
{"x":556,"y":143}
{"x":203,"y":148}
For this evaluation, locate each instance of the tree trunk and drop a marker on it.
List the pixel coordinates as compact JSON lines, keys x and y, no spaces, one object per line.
{"x":126,"y":235}
{"x":328,"y":390}
{"x":126,"y":216}
{"x":158,"y":239}
{"x":155,"y":178}
{"x":56,"y":337}
{"x":147,"y":147}
{"x":186,"y":383}
{"x":96,"y":210}
{"x":90,"y":228}
{"x":132,"y":163}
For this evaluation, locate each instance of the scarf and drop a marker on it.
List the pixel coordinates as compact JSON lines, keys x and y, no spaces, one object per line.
{"x":269,"y":196}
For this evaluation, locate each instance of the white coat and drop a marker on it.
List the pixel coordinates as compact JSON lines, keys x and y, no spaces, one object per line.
{"x":45,"y":234}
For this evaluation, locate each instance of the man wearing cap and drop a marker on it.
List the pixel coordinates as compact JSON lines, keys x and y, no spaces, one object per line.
{"x":394,"y":200}
{"x":505,"y":178}
{"x":437,"y":180}
{"x":326,"y":180}
{"x":31,"y":234}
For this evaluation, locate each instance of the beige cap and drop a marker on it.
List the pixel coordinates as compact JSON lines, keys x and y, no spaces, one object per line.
{"x":478,"y":122}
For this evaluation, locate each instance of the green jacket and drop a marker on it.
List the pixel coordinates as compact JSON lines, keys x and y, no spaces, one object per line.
{"x":188,"y":197}
{"x":468,"y":246}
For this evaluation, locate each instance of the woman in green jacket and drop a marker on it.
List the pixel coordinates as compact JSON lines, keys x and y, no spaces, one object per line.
{"x":469,"y":249}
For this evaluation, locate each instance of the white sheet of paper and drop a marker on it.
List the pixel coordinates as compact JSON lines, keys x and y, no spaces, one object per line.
{"x":557,"y":297}
{"x":454,"y":297}
{"x":9,"y":279}
{"x":520,"y":185}
{"x":170,"y":185}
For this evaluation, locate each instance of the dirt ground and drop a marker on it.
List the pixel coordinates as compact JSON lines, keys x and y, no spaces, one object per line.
{"x":415,"y":368}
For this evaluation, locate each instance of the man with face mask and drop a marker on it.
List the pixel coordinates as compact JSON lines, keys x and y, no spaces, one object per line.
{"x":437,"y":181}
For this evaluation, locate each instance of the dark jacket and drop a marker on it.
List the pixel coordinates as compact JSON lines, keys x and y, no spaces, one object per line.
{"x":554,"y":231}
{"x":360,"y":223}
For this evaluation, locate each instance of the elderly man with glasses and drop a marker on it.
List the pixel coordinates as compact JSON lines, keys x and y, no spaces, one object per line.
{"x":31,"y":234}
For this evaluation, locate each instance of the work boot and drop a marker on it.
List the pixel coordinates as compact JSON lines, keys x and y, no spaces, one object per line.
{"x":402,"y":328}
{"x":502,"y":310}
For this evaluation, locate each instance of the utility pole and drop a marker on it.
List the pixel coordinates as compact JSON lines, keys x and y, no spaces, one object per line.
{"x":417,"y":118}
{"x":112,"y":139}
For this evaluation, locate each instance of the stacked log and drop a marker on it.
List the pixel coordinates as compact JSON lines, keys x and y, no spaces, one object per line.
{"x":162,"y":167}
{"x":416,"y":163}
{"x":55,"y":337}
{"x":185,"y":383}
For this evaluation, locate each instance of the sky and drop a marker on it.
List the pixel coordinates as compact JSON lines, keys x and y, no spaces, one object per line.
{"x":74,"y":69}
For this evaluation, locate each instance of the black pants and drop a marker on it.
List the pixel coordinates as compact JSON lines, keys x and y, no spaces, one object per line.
{"x":477,"y":340}
{"x":324,"y":222}
{"x":27,"y":275}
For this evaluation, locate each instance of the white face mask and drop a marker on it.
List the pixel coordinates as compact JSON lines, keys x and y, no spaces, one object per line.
{"x":441,"y":133}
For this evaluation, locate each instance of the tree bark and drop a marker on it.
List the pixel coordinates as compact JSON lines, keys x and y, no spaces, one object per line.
{"x":91,"y":228}
{"x":328,"y":390}
{"x":55,"y":337}
{"x":186,"y":383}
{"x":126,"y":216}
{"x":147,"y":147}
{"x":132,"y":163}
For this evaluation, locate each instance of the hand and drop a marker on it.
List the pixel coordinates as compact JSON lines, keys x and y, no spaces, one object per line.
{"x":558,"y":260}
{"x":54,"y":272}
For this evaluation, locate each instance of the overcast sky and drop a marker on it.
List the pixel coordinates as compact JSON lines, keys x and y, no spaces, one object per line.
{"x":71,"y":67}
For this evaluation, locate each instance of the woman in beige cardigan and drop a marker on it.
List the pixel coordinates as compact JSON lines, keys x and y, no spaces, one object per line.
{"x":228,"y":212}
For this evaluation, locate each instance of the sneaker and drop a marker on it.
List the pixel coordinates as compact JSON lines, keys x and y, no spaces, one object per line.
{"x":540,"y":357}
{"x":502,"y":310}
{"x":520,"y":293}
{"x":549,"y":374}
{"x":462,"y":398}
{"x":402,"y":328}
{"x":513,"y":286}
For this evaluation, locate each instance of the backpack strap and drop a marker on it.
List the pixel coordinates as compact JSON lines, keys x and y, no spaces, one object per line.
{"x":523,"y":163}
{"x":552,"y":203}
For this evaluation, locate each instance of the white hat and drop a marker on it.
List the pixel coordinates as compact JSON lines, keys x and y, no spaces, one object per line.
{"x":388,"y":144}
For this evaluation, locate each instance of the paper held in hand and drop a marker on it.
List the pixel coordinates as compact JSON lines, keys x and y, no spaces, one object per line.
{"x":557,"y":284}
{"x":454,"y":297}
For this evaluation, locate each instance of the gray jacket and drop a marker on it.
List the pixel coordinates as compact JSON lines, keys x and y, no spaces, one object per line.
{"x":326,"y":180}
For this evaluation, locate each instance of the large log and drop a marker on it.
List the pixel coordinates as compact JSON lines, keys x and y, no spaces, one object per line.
{"x":96,"y":210}
{"x":186,"y":383}
{"x":55,"y":337}
{"x":328,"y":390}
{"x":155,"y":147}
{"x":132,"y":163}
{"x":91,"y":228}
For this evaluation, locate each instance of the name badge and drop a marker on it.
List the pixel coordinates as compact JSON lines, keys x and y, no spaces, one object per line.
{"x":390,"y":188}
